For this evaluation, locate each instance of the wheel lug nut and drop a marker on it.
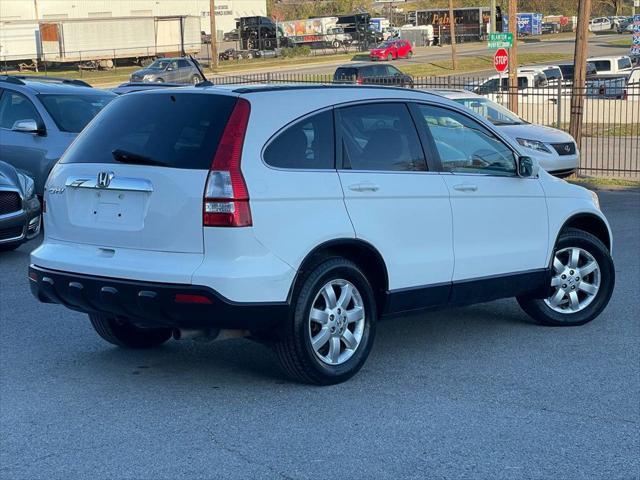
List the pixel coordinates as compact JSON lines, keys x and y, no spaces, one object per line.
{"x":578,"y":278}
{"x":331,"y":317}
{"x":564,"y":276}
{"x":570,"y":272}
{"x":573,"y":288}
{"x":564,"y":285}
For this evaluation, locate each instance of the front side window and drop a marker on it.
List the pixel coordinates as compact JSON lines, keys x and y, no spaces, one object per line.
{"x":380,"y":137}
{"x":72,"y":113}
{"x":624,"y":63}
{"x":307,"y":144}
{"x":15,"y":107}
{"x":465,"y":146}
{"x":183,"y":64}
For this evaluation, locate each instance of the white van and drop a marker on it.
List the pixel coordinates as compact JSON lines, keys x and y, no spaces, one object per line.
{"x":599,"y":24}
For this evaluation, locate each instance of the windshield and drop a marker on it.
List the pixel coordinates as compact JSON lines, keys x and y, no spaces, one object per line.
{"x":71,"y":113}
{"x":385,"y":45}
{"x":496,"y":114}
{"x":159,"y":65}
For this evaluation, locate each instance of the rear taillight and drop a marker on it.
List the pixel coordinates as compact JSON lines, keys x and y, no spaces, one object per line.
{"x":226,"y":198}
{"x":359,"y":81}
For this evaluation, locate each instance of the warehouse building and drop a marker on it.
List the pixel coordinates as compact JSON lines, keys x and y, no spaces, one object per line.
{"x":227,"y":11}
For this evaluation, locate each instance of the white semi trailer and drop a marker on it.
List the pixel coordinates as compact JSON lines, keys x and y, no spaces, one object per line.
{"x":99,"y":40}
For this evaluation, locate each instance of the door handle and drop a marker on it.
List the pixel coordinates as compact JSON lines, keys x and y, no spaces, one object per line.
{"x":465,"y":187}
{"x":364,"y":187}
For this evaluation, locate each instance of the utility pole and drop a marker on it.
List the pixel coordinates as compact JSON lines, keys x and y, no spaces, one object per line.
{"x":452,"y":32}
{"x":513,"y":57}
{"x":580,"y":71}
{"x":492,"y":20}
{"x":214,"y":35}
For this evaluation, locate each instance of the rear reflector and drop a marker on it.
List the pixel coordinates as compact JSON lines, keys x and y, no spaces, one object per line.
{"x":33,"y":276}
{"x":189,"y":298}
{"x":226,"y":198}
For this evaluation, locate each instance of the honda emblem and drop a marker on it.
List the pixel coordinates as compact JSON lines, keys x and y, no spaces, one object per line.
{"x":104,"y":179}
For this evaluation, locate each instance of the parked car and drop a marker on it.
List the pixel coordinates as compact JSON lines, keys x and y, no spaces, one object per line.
{"x":392,"y":50}
{"x":40,"y":117}
{"x":130,"y":87}
{"x":531,"y":82}
{"x":556,"y":151}
{"x":231,"y":36}
{"x":301,"y":244}
{"x":371,"y":74}
{"x":19,"y":208}
{"x":611,"y":65}
{"x":173,"y":70}
{"x":550,"y":27}
{"x":599,"y":24}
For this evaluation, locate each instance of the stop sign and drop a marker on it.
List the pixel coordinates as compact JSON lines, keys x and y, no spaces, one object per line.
{"x":501,"y":60}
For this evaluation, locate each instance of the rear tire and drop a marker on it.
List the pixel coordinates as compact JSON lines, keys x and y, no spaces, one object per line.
{"x":125,"y":335}
{"x":575,"y":298}
{"x":328,"y":336}
{"x":389,"y":58}
{"x":159,"y":80}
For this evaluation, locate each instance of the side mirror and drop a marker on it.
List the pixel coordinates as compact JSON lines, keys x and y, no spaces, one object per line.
{"x":26,"y":126}
{"x":527,"y":167}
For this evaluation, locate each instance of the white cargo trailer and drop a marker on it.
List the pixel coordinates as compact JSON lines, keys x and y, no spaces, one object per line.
{"x":106,"y":39}
{"x":18,"y":40}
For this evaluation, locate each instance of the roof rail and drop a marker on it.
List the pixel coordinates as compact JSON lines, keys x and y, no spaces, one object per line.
{"x":10,"y":79}
{"x":42,"y":78}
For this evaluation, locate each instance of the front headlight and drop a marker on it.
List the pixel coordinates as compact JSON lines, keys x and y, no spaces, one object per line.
{"x":28,"y":187}
{"x":533,"y":144}
{"x":147,"y":78}
{"x":596,"y":200}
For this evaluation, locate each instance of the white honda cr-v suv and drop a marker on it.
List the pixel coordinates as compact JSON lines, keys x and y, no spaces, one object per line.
{"x":301,"y":215}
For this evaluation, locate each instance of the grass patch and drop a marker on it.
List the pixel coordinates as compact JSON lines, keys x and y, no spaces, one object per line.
{"x":474,"y":64}
{"x":622,"y":42}
{"x":604,"y":182}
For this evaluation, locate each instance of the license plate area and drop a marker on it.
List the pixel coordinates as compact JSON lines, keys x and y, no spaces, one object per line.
{"x":107,"y":209}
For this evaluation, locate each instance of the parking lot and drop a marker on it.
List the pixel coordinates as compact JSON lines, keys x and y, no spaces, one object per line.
{"x":475,"y":392}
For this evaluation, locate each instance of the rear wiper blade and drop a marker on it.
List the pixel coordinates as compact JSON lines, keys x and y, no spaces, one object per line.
{"x":130,"y":157}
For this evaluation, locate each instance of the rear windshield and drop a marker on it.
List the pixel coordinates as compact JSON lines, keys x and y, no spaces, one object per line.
{"x":345,"y":73}
{"x":179,"y":130}
{"x":71,"y":113}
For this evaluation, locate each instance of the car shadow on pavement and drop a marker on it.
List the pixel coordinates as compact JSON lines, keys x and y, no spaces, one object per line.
{"x":231,"y":362}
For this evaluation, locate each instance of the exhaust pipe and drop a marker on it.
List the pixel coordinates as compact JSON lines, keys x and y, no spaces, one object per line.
{"x":205,"y":335}
{"x":208,"y":334}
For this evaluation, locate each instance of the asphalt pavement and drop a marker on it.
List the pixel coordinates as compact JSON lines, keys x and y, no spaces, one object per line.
{"x":476,"y":392}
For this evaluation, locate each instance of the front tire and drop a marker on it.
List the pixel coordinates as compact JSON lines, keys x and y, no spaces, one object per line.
{"x":125,"y":335}
{"x":583,"y":278}
{"x":331,"y":331}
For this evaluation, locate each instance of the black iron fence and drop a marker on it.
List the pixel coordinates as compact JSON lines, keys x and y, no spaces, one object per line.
{"x":610,"y":141}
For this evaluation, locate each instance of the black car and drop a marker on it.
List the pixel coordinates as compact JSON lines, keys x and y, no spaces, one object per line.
{"x":19,"y":208}
{"x":372,"y":74}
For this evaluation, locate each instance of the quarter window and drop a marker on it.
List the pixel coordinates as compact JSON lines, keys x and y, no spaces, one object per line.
{"x":307,"y":144}
{"x":465,"y":146}
{"x":380,"y":137}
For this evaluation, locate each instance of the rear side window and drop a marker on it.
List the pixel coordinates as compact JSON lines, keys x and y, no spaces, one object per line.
{"x":380,"y":137}
{"x":624,"y":63}
{"x":179,"y":130}
{"x":307,"y":144}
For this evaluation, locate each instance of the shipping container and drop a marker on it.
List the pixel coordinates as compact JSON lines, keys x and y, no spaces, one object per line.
{"x":18,"y":40}
{"x":317,"y":32}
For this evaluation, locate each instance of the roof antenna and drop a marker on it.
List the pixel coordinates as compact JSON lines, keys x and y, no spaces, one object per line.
{"x":205,"y":82}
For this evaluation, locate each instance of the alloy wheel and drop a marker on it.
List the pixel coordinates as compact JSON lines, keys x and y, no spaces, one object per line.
{"x":576,"y":280}
{"x":336,"y":322}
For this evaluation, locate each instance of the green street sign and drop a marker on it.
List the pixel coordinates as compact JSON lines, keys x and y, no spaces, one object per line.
{"x":500,"y":40}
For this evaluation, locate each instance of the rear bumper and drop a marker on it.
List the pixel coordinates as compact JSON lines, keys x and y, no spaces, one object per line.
{"x":152,"y":304}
